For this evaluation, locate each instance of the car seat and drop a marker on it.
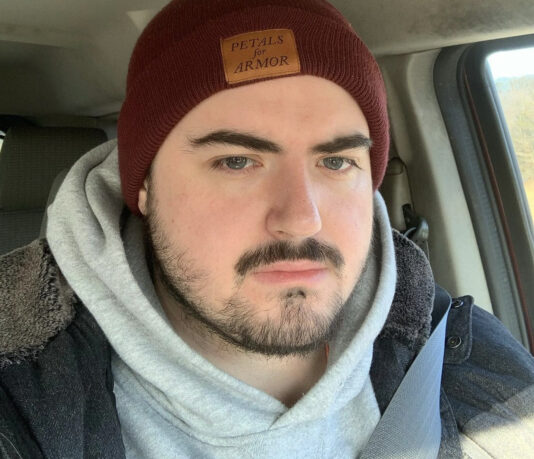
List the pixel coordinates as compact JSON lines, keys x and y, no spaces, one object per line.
{"x":30,"y":159}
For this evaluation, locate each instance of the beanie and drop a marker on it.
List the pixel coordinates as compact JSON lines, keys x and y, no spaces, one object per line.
{"x":195,"y":48}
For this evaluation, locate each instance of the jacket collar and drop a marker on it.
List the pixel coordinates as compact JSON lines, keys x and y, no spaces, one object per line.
{"x":35,"y":302}
{"x":410,"y":317}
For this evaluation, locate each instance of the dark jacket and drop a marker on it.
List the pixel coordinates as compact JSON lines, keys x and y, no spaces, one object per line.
{"x":56,"y":384}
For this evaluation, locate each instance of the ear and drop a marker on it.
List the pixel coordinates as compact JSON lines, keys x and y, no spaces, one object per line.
{"x":142,"y":197}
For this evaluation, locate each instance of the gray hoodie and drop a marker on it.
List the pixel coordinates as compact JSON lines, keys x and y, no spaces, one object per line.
{"x":171,"y":401}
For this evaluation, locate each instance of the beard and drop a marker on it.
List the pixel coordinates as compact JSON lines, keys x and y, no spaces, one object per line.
{"x":293,"y":327}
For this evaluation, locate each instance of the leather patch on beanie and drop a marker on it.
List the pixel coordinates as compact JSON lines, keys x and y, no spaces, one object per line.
{"x":260,"y":54}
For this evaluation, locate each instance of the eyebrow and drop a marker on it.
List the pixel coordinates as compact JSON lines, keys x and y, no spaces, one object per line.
{"x":238,"y":139}
{"x":263,"y":145}
{"x":343,"y":143}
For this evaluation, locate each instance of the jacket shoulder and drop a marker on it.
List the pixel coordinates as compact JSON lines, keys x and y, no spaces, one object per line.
{"x":479,"y":344}
{"x":488,"y":377}
{"x":35,"y":301}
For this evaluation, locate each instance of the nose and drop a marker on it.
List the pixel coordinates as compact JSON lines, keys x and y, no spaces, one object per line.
{"x":294,"y":211}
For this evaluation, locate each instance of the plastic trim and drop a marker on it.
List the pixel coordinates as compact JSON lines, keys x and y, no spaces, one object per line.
{"x":489,"y":175}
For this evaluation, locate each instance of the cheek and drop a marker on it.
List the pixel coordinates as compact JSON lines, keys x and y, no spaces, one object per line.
{"x":353,"y":228}
{"x":350,"y":225}
{"x":349,"y":211}
{"x":209,"y":224}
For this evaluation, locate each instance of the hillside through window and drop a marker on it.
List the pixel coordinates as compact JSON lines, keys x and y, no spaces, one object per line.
{"x":513,"y":73}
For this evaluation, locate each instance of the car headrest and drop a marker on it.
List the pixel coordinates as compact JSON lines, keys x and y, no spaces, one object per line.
{"x":31,"y":158}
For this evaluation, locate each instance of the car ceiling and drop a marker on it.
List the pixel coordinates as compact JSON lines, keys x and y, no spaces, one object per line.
{"x":71,"y":57}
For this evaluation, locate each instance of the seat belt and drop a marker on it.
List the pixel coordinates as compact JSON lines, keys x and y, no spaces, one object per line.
{"x":411,"y":424}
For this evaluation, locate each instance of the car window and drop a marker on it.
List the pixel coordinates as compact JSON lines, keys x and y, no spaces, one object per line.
{"x":513,"y":74}
{"x":490,"y":132}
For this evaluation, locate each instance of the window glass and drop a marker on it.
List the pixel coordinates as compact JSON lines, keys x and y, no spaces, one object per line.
{"x":513,"y":73}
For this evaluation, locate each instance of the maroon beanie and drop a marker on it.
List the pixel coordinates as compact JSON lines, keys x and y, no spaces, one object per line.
{"x":195,"y":48}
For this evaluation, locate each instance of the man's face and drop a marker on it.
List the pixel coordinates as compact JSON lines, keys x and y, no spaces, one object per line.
{"x":259,"y":209}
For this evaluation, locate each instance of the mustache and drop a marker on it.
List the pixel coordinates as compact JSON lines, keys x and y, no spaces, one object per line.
{"x":310,"y":249}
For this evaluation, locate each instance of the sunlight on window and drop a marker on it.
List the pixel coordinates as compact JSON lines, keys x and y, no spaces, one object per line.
{"x":513,"y":73}
{"x":512,"y":64}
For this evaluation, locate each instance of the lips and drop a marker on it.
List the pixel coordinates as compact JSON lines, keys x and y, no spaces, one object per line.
{"x":292,"y":272}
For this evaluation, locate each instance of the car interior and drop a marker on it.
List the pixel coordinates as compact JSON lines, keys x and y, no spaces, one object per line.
{"x":63,"y":69}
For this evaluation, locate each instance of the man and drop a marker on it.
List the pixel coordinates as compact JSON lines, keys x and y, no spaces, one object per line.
{"x":250,"y":300}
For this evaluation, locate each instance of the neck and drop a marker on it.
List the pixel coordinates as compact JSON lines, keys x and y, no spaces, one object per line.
{"x":286,"y":378}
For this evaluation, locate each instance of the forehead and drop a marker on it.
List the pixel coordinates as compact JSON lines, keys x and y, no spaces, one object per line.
{"x":283,"y":107}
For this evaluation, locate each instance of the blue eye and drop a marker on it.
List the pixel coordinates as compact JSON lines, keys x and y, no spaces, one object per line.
{"x":336,"y":163}
{"x":236,"y":162}
{"x":232,"y":164}
{"x":333,"y":163}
